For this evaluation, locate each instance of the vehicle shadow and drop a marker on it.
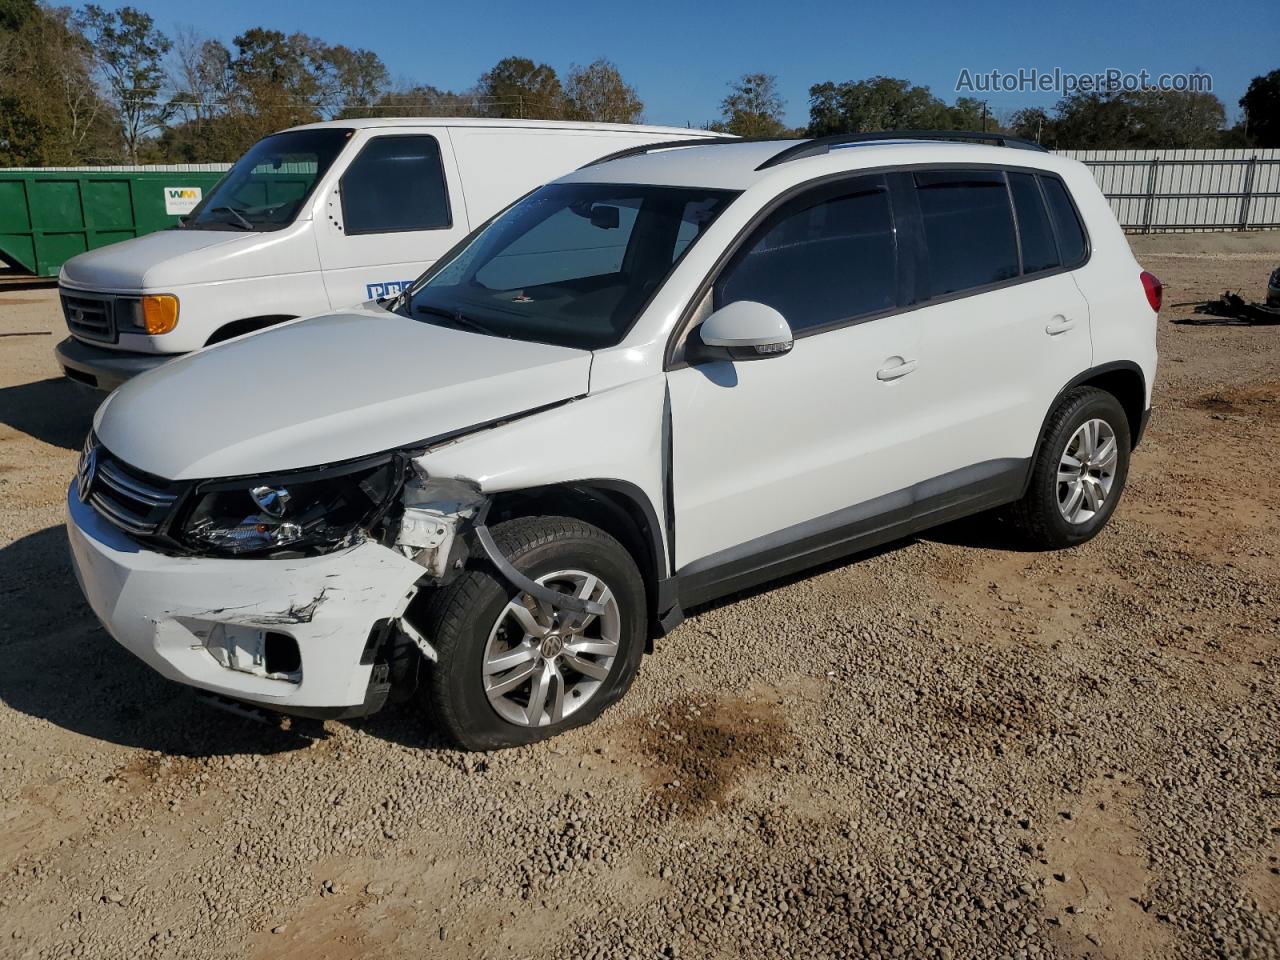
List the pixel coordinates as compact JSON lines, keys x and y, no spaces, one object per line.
{"x":62,"y":667}
{"x":54,"y":411}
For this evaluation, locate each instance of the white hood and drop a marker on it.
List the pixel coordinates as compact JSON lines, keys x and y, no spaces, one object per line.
{"x":326,"y":389}
{"x":173,"y":258}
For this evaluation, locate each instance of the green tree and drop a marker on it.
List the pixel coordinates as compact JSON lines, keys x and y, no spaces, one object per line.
{"x":350,"y":79}
{"x":1033,"y":123}
{"x":50,"y":111}
{"x":1261,"y":105}
{"x":1137,"y":119}
{"x":128,"y":54}
{"x":884,"y":103}
{"x":597,"y":92}
{"x":422,"y":100}
{"x":753,"y":107}
{"x":518,"y":87}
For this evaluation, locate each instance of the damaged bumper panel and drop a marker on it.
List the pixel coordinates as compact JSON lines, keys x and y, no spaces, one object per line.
{"x":288,"y":634}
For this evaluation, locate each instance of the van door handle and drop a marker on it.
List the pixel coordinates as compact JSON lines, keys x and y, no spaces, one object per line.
{"x":1057,"y":325}
{"x":895,"y":370}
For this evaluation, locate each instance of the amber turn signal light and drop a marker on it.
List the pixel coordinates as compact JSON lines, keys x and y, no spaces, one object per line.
{"x":159,"y":313}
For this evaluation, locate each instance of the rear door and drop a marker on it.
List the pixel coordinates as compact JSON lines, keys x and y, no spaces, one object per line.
{"x":1002,"y":325}
{"x":396,"y":208}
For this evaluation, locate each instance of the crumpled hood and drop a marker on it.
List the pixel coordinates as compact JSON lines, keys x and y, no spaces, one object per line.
{"x":135,"y":264}
{"x":330,"y":388}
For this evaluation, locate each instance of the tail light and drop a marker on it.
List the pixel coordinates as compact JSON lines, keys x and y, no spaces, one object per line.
{"x":1154,"y":290}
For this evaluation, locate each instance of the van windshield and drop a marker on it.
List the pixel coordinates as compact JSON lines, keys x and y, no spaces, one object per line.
{"x":571,"y":264}
{"x":268,"y":185}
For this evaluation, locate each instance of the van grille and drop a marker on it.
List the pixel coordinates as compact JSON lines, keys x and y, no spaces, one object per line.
{"x":89,"y":316}
{"x":136,"y":502}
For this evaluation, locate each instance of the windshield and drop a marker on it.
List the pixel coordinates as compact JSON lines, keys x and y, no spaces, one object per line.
{"x":268,"y":185}
{"x":571,"y":264}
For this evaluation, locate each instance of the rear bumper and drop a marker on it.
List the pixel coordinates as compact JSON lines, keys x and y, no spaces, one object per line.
{"x":101,"y":368}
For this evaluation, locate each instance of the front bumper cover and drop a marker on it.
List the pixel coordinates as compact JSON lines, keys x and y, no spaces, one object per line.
{"x":101,"y":368}
{"x":164,"y":609}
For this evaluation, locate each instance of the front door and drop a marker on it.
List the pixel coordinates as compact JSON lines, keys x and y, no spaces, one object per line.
{"x":397,"y":207}
{"x":766,"y":453}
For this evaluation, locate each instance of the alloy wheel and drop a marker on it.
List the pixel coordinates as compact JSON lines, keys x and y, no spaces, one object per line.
{"x":541,"y":664}
{"x":1086,"y":471}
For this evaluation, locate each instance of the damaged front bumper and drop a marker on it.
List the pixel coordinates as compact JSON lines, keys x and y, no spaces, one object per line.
{"x":292,"y":635}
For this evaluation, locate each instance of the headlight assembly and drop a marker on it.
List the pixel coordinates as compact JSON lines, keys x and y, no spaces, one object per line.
{"x":302,"y":511}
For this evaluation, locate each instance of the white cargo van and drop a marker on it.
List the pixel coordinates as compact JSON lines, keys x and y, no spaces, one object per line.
{"x":313,"y":218}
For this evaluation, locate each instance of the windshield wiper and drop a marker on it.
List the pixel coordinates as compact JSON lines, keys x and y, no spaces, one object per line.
{"x":240,"y":217}
{"x":457,"y":317}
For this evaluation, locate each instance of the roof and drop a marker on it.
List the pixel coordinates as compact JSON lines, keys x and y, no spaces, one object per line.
{"x":680,"y":133}
{"x":736,"y":166}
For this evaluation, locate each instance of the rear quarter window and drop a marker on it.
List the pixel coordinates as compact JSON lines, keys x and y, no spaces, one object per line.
{"x":1072,"y":242}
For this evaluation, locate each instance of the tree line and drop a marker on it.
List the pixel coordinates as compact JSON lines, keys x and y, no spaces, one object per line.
{"x":96,"y":85}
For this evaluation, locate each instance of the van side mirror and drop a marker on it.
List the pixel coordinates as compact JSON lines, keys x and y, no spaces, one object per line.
{"x":604,"y":216}
{"x":743,"y":330}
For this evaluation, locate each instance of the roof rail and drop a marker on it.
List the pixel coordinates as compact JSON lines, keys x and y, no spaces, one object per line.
{"x":662,"y":145}
{"x":820,"y":145}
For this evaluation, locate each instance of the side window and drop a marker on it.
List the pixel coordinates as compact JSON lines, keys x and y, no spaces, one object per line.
{"x":968,"y":228}
{"x":1066,"y":221}
{"x":818,"y":261}
{"x":1039,"y":249}
{"x":395,"y":184}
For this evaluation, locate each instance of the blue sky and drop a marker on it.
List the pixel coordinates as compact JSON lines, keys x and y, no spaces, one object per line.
{"x":681,"y":55}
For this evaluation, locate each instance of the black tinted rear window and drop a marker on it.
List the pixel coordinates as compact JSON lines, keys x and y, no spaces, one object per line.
{"x":968,"y":226}
{"x":1039,"y":249}
{"x":1071,"y":237}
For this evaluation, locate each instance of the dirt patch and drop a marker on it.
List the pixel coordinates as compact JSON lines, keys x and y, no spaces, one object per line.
{"x":1243,"y":401}
{"x":1098,"y":879}
{"x":701,"y":749}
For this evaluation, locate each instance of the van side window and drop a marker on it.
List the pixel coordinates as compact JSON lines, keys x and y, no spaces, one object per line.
{"x":820,"y":259}
{"x":968,"y":228}
{"x":1071,"y":239}
{"x":1039,"y":248}
{"x":395,"y":184}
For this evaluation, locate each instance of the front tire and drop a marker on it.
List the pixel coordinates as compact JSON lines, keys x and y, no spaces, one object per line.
{"x":510,"y":670}
{"x":1079,"y":472}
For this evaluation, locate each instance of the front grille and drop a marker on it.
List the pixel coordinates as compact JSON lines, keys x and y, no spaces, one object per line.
{"x":136,"y":502}
{"x":89,"y":315}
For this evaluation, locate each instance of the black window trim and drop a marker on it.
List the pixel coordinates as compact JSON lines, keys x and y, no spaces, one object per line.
{"x":444,"y":177}
{"x":691,"y":310}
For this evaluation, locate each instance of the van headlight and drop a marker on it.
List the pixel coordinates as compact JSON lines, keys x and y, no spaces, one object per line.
{"x":311,"y":510}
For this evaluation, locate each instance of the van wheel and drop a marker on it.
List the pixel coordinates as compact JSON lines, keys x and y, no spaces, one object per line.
{"x":1079,"y":471}
{"x":511,"y":670}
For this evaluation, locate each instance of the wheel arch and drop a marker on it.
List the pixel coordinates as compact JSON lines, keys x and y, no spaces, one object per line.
{"x":237,"y":328}
{"x":1124,"y":380}
{"x":619,"y":508}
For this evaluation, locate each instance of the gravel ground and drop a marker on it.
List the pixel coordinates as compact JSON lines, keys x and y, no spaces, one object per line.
{"x":947,"y":749}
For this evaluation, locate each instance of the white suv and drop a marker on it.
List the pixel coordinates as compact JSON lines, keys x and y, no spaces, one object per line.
{"x":663,"y":378}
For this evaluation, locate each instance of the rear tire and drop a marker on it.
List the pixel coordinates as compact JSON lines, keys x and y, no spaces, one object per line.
{"x":480,"y":623}
{"x":1079,"y":472}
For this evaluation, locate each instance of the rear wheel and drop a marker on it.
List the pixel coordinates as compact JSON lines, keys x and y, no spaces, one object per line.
{"x":512,"y":669}
{"x":1079,"y":472}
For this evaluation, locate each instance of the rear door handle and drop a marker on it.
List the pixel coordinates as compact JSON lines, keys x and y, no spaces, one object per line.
{"x":1057,"y":325}
{"x":895,"y":370}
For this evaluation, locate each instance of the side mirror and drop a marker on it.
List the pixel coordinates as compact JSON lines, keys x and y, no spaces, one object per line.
{"x":743,"y":330}
{"x":604,"y":216}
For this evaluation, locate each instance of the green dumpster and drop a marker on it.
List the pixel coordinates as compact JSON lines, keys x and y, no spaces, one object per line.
{"x":49,"y":216}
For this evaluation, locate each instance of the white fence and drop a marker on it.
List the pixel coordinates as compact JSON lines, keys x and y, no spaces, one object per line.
{"x":1154,"y":191}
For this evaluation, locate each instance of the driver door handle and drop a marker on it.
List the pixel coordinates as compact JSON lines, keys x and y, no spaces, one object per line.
{"x":1057,"y":325}
{"x":892,"y":371}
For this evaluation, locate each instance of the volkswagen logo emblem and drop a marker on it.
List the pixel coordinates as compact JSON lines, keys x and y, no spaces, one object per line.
{"x":84,"y":473}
